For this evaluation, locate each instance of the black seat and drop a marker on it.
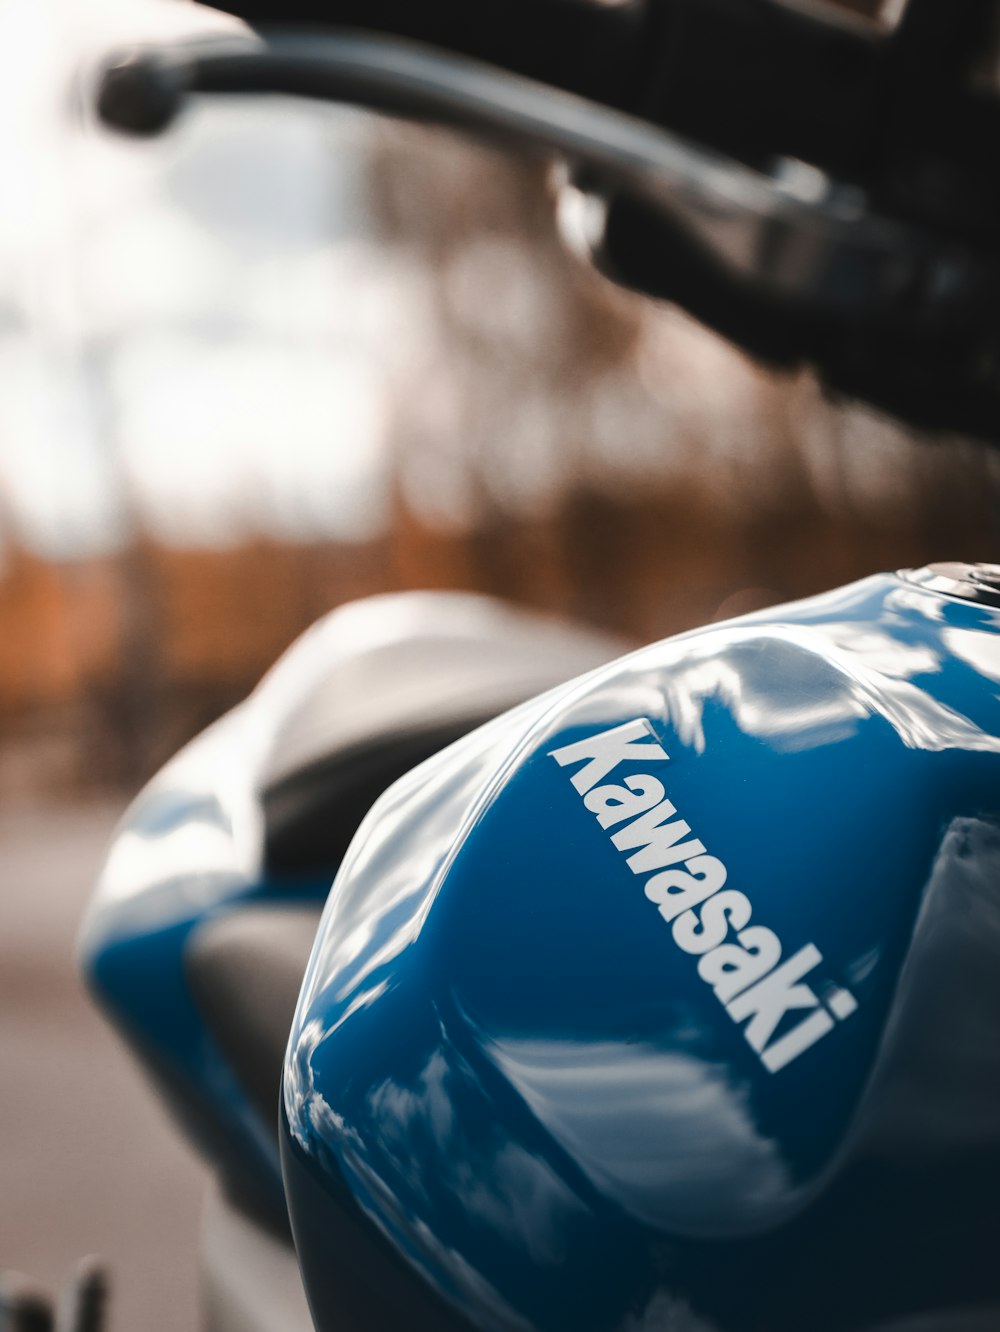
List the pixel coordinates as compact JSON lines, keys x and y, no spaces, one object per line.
{"x":245,"y":970}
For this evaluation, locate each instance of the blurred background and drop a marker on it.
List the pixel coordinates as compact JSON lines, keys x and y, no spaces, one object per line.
{"x":284,"y":357}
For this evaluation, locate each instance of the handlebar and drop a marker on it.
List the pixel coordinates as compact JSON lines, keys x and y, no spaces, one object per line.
{"x":784,"y":229}
{"x":891,"y":302}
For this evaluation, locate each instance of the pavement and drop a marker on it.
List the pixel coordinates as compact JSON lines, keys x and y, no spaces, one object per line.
{"x":89,"y":1161}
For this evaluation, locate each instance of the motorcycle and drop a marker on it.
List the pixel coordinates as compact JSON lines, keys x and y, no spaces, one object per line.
{"x":653,"y":991}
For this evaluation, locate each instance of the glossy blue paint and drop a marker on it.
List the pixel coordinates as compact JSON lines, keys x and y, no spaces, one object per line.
{"x":188,"y":850}
{"x":509,"y":1085}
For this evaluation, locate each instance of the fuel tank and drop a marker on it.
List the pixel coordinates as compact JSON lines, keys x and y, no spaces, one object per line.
{"x":670,"y":999}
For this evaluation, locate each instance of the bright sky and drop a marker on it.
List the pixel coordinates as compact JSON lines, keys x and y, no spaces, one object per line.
{"x":189,"y":329}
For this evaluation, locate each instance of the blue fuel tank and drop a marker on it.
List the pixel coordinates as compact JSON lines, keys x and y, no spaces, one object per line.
{"x":671,"y":999}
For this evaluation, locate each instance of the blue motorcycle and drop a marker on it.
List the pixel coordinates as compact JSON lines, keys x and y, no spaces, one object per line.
{"x":654,"y":992}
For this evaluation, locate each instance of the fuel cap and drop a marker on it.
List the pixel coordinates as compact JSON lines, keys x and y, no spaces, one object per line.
{"x":969,"y":582}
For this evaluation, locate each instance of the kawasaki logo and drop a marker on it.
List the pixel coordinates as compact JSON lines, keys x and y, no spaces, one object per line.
{"x":747,"y":974}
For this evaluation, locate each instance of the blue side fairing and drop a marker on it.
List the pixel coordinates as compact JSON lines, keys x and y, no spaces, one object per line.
{"x":505,"y":1063}
{"x":187,"y":851}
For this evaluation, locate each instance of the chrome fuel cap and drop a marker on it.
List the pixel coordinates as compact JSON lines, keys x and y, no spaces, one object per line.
{"x":969,"y":582}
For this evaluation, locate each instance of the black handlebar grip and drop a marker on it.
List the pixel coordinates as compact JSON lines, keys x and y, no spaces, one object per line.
{"x":140,"y":95}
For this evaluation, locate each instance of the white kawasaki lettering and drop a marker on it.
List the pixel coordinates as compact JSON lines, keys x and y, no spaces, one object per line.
{"x":747,"y":975}
{"x":657,"y":841}
{"x":732,"y":967}
{"x":605,"y":751}
{"x":767,"y":1002}
{"x":611,"y":804}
